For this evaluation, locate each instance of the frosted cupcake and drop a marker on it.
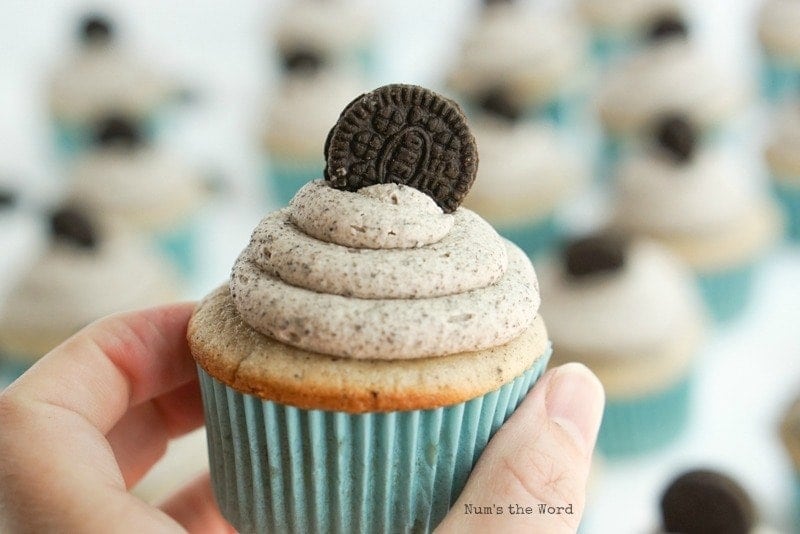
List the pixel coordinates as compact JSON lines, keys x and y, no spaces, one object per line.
{"x":704,"y":501}
{"x":80,"y":277}
{"x":780,"y":44}
{"x":701,"y":203}
{"x":130,"y":185}
{"x":341,"y":30}
{"x":620,"y":27}
{"x":541,"y":58}
{"x":99,"y":78}
{"x":373,"y":335}
{"x":309,"y":100}
{"x":629,"y":311}
{"x":526,"y":175}
{"x":672,"y":75}
{"x":783,"y":158}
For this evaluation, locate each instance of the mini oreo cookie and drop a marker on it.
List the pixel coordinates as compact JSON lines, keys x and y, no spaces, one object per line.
{"x":707,"y":502}
{"x":117,"y":130}
{"x":594,"y":254}
{"x":498,"y":102}
{"x":403,"y":134}
{"x":302,"y":61}
{"x":677,"y":136}
{"x":71,"y":226}
{"x":667,"y":26}
{"x":96,"y":28}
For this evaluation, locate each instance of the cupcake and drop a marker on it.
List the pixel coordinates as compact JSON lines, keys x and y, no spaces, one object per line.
{"x":671,"y":75}
{"x":540,"y":57}
{"x":130,"y":185}
{"x":80,"y":277}
{"x":99,"y":78}
{"x":308,"y":101}
{"x":780,"y":45}
{"x":526,"y":174}
{"x":790,"y":436}
{"x":701,"y":203}
{"x":783,"y":159}
{"x":704,"y":501}
{"x":373,"y":336}
{"x":343,"y":31}
{"x":630,"y":311}
{"x":620,"y":27}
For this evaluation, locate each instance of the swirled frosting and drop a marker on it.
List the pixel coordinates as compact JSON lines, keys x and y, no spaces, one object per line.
{"x":664,"y":78}
{"x":624,"y":15}
{"x":534,"y":53}
{"x":382,"y":273}
{"x":777,"y":28}
{"x":100,"y":79}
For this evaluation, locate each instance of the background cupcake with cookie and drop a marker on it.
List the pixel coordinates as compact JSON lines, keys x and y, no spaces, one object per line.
{"x":371,"y":323}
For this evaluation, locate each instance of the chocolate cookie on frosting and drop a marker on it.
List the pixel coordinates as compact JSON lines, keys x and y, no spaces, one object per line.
{"x":381,"y":318}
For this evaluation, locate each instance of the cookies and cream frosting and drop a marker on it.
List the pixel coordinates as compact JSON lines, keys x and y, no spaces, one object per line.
{"x":321,"y":25}
{"x":382,"y":273}
{"x":638,"y":308}
{"x":624,"y":15}
{"x":777,"y":29}
{"x":103,"y":79}
{"x":144,"y":186}
{"x":536,"y":54}
{"x":668,"y":77}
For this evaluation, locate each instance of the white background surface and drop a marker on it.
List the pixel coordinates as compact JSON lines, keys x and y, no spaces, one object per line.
{"x":748,"y":371}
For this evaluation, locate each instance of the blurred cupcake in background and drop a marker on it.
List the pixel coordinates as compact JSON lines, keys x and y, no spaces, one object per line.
{"x":99,"y":77}
{"x":540,"y":57}
{"x":790,"y":436}
{"x":309,"y":99}
{"x":670,"y":75}
{"x":630,"y":311}
{"x":130,"y":185}
{"x":783,"y":159}
{"x":620,"y":27}
{"x":342,"y":31}
{"x":778,"y":34}
{"x":700,"y":202}
{"x":526,"y":174}
{"x":81,"y":276}
{"x":705,"y":501}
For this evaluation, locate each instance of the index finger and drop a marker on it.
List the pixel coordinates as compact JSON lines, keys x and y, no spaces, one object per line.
{"x":113,"y":364}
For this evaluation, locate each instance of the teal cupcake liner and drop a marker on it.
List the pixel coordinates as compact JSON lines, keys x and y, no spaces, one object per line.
{"x":779,"y":80}
{"x":179,"y":244}
{"x":284,"y":177}
{"x":633,"y":426}
{"x":608,"y":47}
{"x":727,"y":292}
{"x":565,"y":111}
{"x":536,"y":237}
{"x":795,"y":510}
{"x":789,"y":198}
{"x":277,"y":468}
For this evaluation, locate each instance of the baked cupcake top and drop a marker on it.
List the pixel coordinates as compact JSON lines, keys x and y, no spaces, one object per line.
{"x":332,"y":28}
{"x":306,"y":105}
{"x":783,"y":149}
{"x":777,"y":29}
{"x":81,"y":276}
{"x":101,"y":77}
{"x":525,"y":168}
{"x":671,"y":75}
{"x":125,"y":180}
{"x":535,"y":53}
{"x":611,"y":298}
{"x":628,"y":16}
{"x":681,"y":192}
{"x":374,"y":290}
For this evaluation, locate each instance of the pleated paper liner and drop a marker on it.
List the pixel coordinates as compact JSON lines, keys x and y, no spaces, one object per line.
{"x":277,"y":468}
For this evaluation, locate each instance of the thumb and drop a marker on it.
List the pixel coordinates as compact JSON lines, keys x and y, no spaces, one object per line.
{"x":532,"y":476}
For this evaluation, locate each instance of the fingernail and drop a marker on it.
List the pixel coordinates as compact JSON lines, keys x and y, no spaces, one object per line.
{"x":574,"y":401}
